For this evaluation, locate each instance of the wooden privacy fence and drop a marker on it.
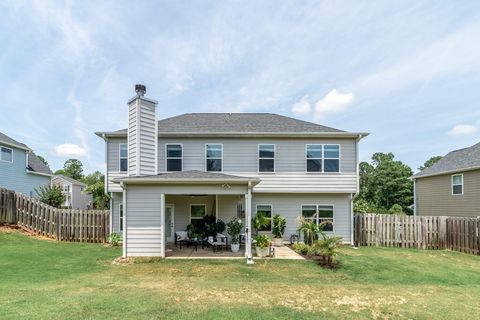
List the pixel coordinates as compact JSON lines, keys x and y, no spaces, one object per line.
{"x":61,"y":224}
{"x":425,"y":232}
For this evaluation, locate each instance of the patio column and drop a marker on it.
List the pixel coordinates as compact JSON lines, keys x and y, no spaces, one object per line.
{"x":162,"y":225}
{"x":248,"y":218}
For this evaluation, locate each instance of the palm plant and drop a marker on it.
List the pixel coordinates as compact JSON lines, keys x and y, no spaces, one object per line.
{"x":260,"y":221}
{"x":279,"y":226}
{"x":327,"y":248}
{"x":310,"y":231}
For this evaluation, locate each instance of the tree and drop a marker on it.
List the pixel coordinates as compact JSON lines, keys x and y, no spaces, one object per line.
{"x":59,"y":171}
{"x":73,"y":168}
{"x":430,"y":162}
{"x":52,"y":196}
{"x":385,"y":182}
{"x":43,"y":160}
{"x":96,"y":187}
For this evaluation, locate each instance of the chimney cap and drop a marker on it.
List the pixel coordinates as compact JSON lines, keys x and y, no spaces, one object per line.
{"x":140,"y":89}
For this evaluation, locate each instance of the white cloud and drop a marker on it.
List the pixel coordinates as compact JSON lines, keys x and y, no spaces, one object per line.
{"x":333,"y":102}
{"x":302,"y":107}
{"x":462,"y":130}
{"x":70,"y":150}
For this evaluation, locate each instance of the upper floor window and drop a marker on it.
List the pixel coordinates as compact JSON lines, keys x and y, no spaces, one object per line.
{"x":174,"y":157}
{"x":323,"y":158}
{"x":319,"y":214}
{"x":6,"y":154}
{"x":123,"y":156}
{"x":457,"y":184}
{"x":214,"y":155}
{"x":266,"y":158}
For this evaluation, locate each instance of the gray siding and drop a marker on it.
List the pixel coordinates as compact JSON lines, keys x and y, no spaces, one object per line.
{"x":80,"y":200}
{"x":289,"y":206}
{"x":113,"y":164}
{"x":434,"y":196}
{"x":117,"y":198}
{"x":182,"y":208}
{"x":143,"y":232}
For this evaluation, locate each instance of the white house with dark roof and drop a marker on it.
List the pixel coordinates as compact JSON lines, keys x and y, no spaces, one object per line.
{"x":451,"y":187}
{"x":20,"y":169}
{"x":74,"y":192}
{"x":164,"y":175}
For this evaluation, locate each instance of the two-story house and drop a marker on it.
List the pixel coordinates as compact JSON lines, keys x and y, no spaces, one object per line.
{"x":74,"y":192}
{"x":451,"y":187}
{"x":20,"y":169}
{"x":163,"y":175}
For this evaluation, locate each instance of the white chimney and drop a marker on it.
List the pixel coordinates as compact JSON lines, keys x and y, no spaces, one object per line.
{"x":142,"y":134}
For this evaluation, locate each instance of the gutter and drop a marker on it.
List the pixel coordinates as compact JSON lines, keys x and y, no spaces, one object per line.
{"x":445,"y":172}
{"x":40,"y":173}
{"x":354,"y":195}
{"x":124,"y":181}
{"x":15,"y":146}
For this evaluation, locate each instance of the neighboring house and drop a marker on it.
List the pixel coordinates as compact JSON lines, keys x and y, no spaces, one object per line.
{"x":165,"y":175}
{"x":75,"y":196}
{"x":451,"y":187}
{"x":20,"y":169}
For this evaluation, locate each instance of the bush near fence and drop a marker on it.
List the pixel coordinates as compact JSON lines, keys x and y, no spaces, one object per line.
{"x":422,"y":232}
{"x":60,"y":224}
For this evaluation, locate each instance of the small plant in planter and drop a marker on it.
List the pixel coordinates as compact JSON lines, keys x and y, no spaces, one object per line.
{"x":279,"y":226}
{"x":262,"y":243}
{"x":327,"y":249}
{"x":115,"y":239}
{"x":234,"y":227}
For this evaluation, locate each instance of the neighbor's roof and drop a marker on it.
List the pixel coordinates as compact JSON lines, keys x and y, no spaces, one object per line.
{"x":455,"y":161}
{"x":71,"y":180}
{"x":188,"y":176}
{"x":237,"y":124}
{"x":11,"y":142}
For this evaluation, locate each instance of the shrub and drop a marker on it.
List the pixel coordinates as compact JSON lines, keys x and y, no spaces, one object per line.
{"x":234,"y":227}
{"x":260,"y":221}
{"x":262,"y":241}
{"x":396,"y":209}
{"x":115,"y":239}
{"x":327,"y":248}
{"x":51,"y":195}
{"x":279,"y":226}
{"x":301,"y":248}
{"x":361,"y":206}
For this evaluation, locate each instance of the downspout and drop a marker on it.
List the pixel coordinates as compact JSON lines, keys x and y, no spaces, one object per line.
{"x":248,"y":210}
{"x":354,"y":195}
{"x":124,"y":235}
{"x":414,"y":197}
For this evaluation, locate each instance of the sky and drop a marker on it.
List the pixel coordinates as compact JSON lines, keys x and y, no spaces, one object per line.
{"x":407,"y":72}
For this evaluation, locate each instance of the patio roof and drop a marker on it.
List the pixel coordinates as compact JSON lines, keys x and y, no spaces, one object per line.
{"x":191,"y":176}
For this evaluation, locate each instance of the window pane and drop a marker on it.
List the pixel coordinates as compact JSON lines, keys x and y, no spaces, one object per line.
{"x":197,"y":211}
{"x":308,"y":212}
{"x":266,"y":151}
{"x":458,"y":189}
{"x":123,"y":165}
{"x":174,"y":151}
{"x":325,"y":212}
{"x":174,"y":164}
{"x":314,"y":151}
{"x":457,"y":179}
{"x":332,"y":165}
{"x":266,"y":165}
{"x":123,"y":150}
{"x":331,"y":151}
{"x":214,"y":165}
{"x":328,"y":226}
{"x":314,"y":165}
{"x":214,"y":150}
{"x":6,"y":154}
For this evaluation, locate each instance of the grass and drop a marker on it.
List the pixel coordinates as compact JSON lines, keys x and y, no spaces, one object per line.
{"x":41,"y":279}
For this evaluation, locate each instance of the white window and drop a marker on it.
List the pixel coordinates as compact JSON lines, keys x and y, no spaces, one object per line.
{"x":214,"y":155}
{"x":457,"y":184}
{"x":6,"y":154}
{"x":319,"y":213}
{"x":322,"y":158}
{"x":266,"y":158}
{"x":123,"y":156}
{"x":120,"y":216}
{"x":66,"y":188}
{"x":197,"y":213}
{"x":174,"y":157}
{"x":266,"y":209}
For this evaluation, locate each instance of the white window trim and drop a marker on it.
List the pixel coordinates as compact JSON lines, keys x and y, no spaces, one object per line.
{"x":317,"y":218}
{"x":221,"y":158}
{"x":271,"y":214}
{"x":120,"y":157}
{"x":190,"y":211}
{"x":274,"y":157}
{"x":452,"y":185}
{"x":323,"y":158}
{"x":11,"y":150}
{"x":167,"y":157}
{"x":120,"y":217}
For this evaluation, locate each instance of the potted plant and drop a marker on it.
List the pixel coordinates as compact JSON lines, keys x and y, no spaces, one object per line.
{"x":234,"y":227}
{"x":262,"y":243}
{"x":279,"y":226}
{"x":260,"y":221}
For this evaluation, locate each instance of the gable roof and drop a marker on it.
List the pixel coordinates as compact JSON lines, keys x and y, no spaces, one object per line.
{"x":235,"y":124}
{"x":458,"y":160}
{"x":36,"y":165}
{"x":71,"y":180}
{"x":12,"y":142}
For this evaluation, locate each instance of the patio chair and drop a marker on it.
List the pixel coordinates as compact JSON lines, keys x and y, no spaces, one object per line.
{"x":181,"y":237}
{"x":217,"y":242}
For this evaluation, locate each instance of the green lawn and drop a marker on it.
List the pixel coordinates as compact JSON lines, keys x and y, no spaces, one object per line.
{"x":41,"y":279}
